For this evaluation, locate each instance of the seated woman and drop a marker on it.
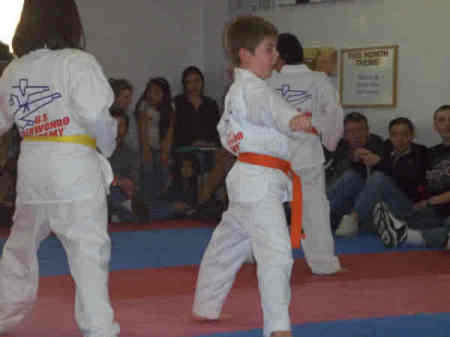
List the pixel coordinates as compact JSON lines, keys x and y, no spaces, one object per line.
{"x":196,"y":120}
{"x":398,"y":177}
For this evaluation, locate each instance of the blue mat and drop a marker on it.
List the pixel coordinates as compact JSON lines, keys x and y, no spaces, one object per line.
{"x":423,"y":325}
{"x":174,"y":247}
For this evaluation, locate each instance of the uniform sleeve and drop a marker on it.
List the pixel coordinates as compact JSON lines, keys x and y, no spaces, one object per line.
{"x":329,"y":116}
{"x":93,"y":96}
{"x":266,"y":107}
{"x":6,"y":116}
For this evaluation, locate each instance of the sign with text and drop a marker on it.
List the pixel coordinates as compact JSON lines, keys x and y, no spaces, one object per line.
{"x":368,"y":77}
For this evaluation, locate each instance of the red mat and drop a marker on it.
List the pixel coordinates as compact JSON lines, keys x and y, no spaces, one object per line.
{"x":157,"y":302}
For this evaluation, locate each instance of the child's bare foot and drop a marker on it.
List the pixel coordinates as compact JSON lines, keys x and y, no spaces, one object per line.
{"x":342,"y":270}
{"x":199,"y":318}
{"x":281,"y":334}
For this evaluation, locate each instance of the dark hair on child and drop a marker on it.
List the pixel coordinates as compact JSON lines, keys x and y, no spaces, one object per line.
{"x":290,"y":48}
{"x":356,"y":117}
{"x":191,"y":70}
{"x":53,"y":24}
{"x":404,"y":121}
{"x":165,"y":107}
{"x":120,"y":84}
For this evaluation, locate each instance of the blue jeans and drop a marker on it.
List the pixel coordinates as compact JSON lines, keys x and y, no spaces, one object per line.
{"x":342,"y":195}
{"x":154,"y":178}
{"x":436,"y":237}
{"x":433,"y":226}
{"x":380,"y":187}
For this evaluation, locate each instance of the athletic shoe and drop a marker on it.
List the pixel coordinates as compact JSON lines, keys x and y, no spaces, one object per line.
{"x":380,"y":217}
{"x":395,"y":232}
{"x":448,"y":242}
{"x":347,"y":227}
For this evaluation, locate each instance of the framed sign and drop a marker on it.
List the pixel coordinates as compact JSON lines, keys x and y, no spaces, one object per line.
{"x":369,"y":77}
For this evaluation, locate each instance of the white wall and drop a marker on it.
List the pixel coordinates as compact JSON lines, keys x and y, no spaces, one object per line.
{"x":139,"y":39}
{"x":419,"y":27}
{"x":215,"y":15}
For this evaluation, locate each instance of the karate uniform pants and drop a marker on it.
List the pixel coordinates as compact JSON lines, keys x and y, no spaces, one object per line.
{"x":246,"y":227}
{"x":318,"y":245}
{"x":81,"y":226}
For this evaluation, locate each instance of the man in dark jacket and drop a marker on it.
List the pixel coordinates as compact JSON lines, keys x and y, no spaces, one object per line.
{"x":353,"y":159}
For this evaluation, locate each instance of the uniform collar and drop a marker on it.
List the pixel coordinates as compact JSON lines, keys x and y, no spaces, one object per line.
{"x":242,"y":74}
{"x":294,"y":68}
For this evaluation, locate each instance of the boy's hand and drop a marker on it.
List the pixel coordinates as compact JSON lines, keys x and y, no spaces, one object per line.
{"x":301,"y":123}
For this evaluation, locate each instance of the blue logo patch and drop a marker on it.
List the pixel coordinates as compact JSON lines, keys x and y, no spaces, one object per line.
{"x":29,"y":99}
{"x":294,"y":96}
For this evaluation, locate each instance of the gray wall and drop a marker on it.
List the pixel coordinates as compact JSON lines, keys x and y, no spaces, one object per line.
{"x":139,"y":39}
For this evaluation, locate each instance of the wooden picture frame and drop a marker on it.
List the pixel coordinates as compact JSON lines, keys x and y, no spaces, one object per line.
{"x":368,"y":77}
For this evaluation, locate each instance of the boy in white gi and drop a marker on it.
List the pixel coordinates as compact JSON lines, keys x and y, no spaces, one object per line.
{"x":256,"y":126}
{"x":58,"y":97}
{"x":311,"y":92}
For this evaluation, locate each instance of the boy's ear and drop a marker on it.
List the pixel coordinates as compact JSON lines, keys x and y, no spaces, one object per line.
{"x":244,"y":54}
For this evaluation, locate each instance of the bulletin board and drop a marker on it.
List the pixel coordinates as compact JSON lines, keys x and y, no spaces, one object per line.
{"x":322,"y":59}
{"x":368,"y":77}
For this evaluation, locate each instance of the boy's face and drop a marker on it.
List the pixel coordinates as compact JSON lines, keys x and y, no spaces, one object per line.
{"x":401,"y":137}
{"x":262,"y":60}
{"x":442,"y":125}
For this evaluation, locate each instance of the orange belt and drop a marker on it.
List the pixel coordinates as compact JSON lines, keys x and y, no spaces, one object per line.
{"x":297,"y":203}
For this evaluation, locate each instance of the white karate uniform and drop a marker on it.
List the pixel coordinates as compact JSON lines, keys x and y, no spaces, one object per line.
{"x":61,"y":187}
{"x":311,"y":91}
{"x":255,"y":120}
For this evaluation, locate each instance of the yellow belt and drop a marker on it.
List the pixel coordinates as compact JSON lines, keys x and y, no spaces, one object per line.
{"x":76,"y":139}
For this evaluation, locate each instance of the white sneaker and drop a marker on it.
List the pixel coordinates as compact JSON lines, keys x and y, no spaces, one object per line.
{"x":448,"y":242}
{"x":395,"y":231}
{"x":115,"y":218}
{"x":347,"y":227}
{"x":127,"y":205}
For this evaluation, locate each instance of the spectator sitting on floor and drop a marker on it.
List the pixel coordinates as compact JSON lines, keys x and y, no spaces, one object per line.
{"x":125,"y":165}
{"x":427,"y":223}
{"x":398,"y":177}
{"x":354,"y":157}
{"x":196,"y":120}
